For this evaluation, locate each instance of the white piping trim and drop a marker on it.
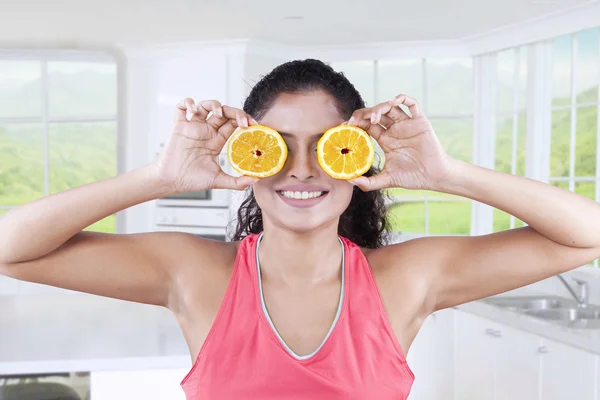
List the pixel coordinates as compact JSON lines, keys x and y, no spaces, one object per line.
{"x":266,"y":313}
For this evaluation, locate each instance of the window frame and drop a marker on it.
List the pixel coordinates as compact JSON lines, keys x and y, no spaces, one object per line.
{"x":46,"y":56}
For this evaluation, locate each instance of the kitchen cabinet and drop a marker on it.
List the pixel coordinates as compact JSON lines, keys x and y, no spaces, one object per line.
{"x":497,"y":362}
{"x":474,"y":357}
{"x":431,"y":358}
{"x":517,"y":364}
{"x":156,"y":384}
{"x":567,"y":372}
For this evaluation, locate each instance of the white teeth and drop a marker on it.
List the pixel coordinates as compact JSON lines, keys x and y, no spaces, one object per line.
{"x":300,"y":195}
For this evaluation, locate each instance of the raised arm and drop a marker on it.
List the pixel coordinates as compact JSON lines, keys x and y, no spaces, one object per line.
{"x":43,"y":241}
{"x":563,"y":231}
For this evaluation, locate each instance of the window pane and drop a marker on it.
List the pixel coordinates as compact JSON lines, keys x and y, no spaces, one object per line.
{"x":20,"y":90}
{"x":400,"y":77}
{"x":505,"y":90}
{"x":504,"y":143}
{"x":106,"y":225}
{"x":585,"y":149}
{"x":22,"y":166}
{"x":561,"y":70}
{"x":509,"y":63}
{"x":449,"y":86}
{"x":456,"y":136}
{"x":587,"y":189}
{"x":407,"y":217}
{"x":399,"y":192}
{"x":82,"y":153}
{"x":521,"y":143}
{"x":588,"y":65}
{"x":501,"y":220}
{"x":449,"y":215}
{"x":560,"y":143}
{"x":361,"y":75}
{"x":522,"y":79}
{"x":77,"y":89}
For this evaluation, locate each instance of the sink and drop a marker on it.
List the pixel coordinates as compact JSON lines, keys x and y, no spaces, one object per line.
{"x":557,"y":310}
{"x":570,"y":314}
{"x":531,"y":302}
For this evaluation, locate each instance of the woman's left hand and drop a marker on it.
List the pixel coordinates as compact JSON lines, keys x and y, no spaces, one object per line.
{"x":414,"y":157}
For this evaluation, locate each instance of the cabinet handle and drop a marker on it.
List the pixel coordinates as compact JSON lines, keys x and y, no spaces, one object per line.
{"x":489,"y":331}
{"x":542,"y":349}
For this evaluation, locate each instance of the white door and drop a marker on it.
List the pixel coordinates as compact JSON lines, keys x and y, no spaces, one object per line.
{"x":517,"y":365}
{"x":567,"y":372}
{"x":474,"y":357}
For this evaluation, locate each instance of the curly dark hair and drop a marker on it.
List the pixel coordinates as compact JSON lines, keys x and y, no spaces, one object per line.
{"x":364,"y":221}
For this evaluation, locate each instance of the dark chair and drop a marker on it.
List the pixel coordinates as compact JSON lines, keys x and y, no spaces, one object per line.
{"x":38,"y":391}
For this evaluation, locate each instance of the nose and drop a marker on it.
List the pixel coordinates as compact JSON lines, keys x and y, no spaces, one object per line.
{"x":302,"y":164}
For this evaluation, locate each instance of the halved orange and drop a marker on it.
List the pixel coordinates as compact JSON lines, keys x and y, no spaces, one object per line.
{"x":345,"y":152}
{"x":257,"y":151}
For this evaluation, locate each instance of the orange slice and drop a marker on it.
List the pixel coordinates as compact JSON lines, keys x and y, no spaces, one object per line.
{"x":345,"y":152}
{"x":257,"y":151}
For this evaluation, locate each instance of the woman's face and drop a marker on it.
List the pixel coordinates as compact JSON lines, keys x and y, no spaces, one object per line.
{"x":302,"y":119}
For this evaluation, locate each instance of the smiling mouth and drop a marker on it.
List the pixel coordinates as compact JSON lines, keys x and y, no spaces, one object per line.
{"x":301,"y":195}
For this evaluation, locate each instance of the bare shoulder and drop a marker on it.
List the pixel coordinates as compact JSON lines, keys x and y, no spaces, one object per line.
{"x":404,"y":273}
{"x":204,"y":271}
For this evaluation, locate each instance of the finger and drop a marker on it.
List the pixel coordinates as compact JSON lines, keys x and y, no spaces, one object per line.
{"x":386,"y":121}
{"x":359,"y":115}
{"x":185,"y":106}
{"x":201,"y":112}
{"x":375,"y":130}
{"x":225,"y":181}
{"x":392,"y":111}
{"x":410,"y":103}
{"x":227,"y":129}
{"x":375,"y":182}
{"x":210,"y":106}
{"x":242,"y":119}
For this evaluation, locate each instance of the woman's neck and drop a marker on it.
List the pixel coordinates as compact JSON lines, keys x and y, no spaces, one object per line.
{"x":300,"y":258}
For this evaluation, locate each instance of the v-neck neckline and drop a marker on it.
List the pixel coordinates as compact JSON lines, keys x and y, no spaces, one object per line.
{"x":270,"y":321}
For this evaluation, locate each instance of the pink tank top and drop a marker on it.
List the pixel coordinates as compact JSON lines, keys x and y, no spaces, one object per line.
{"x":243,"y":356}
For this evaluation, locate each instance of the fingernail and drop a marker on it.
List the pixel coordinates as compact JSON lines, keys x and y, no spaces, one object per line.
{"x":254,"y":121}
{"x":220,"y":112}
{"x":351,"y":121}
{"x":373,"y":118}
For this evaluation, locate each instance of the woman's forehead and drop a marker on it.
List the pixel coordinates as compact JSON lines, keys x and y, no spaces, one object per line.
{"x":302,"y":114}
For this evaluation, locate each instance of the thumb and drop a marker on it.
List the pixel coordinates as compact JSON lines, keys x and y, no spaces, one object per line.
{"x":225,"y":181}
{"x":367,"y":184}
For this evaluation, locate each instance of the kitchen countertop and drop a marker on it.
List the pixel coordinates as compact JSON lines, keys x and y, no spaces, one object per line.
{"x":80,"y":332}
{"x":585,"y":339}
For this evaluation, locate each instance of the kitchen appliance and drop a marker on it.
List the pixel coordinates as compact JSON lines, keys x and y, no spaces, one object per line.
{"x":205,"y":198}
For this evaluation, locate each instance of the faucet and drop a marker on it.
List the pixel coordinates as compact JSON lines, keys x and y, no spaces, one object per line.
{"x":582,"y":294}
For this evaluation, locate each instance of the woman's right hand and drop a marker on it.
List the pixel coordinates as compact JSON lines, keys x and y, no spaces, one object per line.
{"x":190,"y":159}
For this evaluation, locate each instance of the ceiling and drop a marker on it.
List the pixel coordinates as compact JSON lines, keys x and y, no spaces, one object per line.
{"x":306,"y":22}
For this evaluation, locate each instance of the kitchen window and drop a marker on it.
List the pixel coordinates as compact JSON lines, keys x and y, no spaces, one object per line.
{"x":575,"y":134}
{"x":58,"y":125}
{"x":435,"y":83}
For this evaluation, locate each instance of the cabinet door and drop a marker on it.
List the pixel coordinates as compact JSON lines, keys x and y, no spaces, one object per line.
{"x":474,"y":357}
{"x":431,"y":358}
{"x":517,"y":365}
{"x":567,"y":372}
{"x":128,"y":385}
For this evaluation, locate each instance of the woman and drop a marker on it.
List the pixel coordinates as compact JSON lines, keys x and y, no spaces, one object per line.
{"x":308,"y":301}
